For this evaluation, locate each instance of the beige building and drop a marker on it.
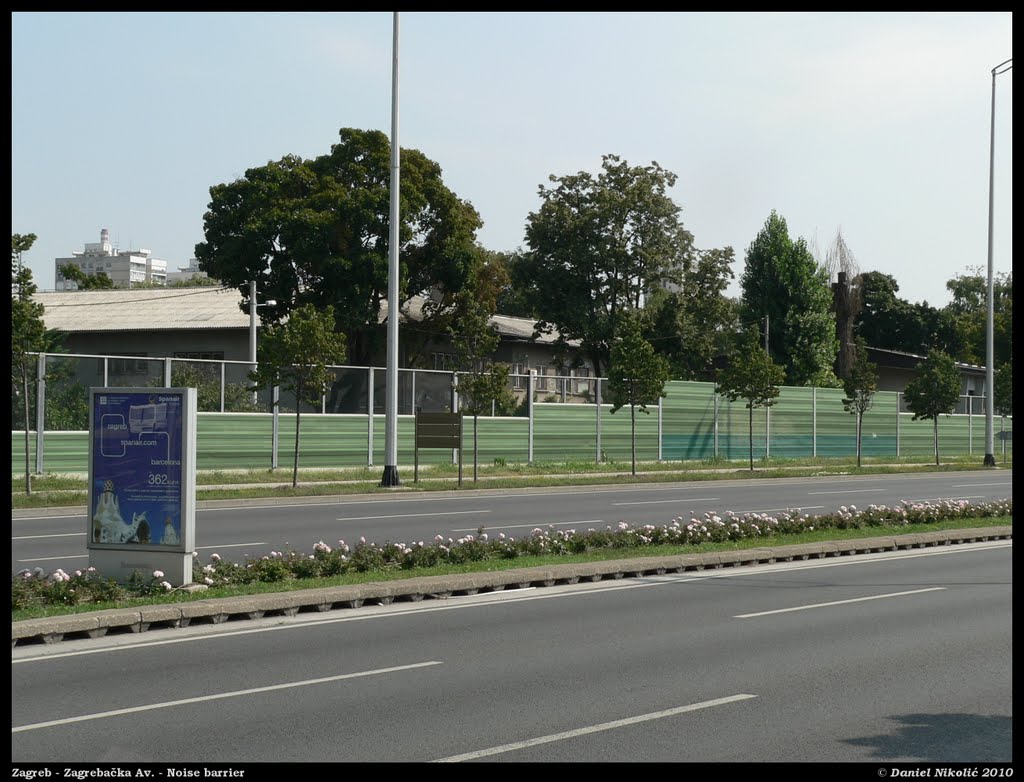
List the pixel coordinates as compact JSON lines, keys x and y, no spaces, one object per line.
{"x":126,"y":268}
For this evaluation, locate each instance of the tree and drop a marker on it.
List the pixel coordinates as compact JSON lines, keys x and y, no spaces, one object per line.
{"x":28,"y":334}
{"x":753,"y":377}
{"x":782,"y":282}
{"x":295,"y":355}
{"x":934,"y":391}
{"x":86,"y":282}
{"x":317,"y":232}
{"x":691,"y":326}
{"x":480,"y":382}
{"x":860,"y":384}
{"x":968,"y":310}
{"x":598,"y":246}
{"x":636,"y":374}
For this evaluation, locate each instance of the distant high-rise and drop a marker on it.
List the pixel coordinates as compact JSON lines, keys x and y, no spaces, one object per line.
{"x":126,"y":268}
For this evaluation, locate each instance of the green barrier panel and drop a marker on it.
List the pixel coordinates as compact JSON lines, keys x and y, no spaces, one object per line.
{"x":566,"y":432}
{"x":688,"y":421}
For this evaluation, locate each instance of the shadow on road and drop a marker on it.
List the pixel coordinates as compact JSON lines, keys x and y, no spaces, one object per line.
{"x":943,"y":737}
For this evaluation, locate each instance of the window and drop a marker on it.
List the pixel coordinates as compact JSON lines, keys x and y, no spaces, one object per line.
{"x":125,"y":366}
{"x":443,"y":361}
{"x":212,"y":355}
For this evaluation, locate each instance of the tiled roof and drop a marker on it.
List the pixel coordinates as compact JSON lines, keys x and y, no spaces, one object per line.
{"x":156,"y":309}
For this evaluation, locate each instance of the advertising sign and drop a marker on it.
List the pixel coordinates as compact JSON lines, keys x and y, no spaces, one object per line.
{"x":142,"y":469}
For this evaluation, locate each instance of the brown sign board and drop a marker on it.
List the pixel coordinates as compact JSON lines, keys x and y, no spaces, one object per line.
{"x":437,"y":430}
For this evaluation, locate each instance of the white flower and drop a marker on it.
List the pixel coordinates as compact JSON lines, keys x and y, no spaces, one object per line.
{"x":166,"y":586}
{"x":158,"y":574}
{"x":208,"y":581}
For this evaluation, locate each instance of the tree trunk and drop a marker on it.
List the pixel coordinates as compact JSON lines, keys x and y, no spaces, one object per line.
{"x":632,"y":434}
{"x":859,"y":419}
{"x":750,"y":434}
{"x":28,"y":473}
{"x":298,"y":411}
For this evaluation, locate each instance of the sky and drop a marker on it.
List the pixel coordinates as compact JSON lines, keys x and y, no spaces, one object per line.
{"x":875,"y":125}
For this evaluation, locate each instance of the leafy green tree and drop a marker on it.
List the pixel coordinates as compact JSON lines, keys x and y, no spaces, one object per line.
{"x":195,"y":281}
{"x":598,"y":246}
{"x":782,"y":281}
{"x":317,"y":231}
{"x":752,"y":376}
{"x":86,"y":282}
{"x":636,"y":375}
{"x":1003,"y":402}
{"x":296,"y":355}
{"x":934,"y":391}
{"x":481,"y":383}
{"x":28,"y":335}
{"x":969,"y":313}
{"x":692,"y":325}
{"x":205,"y":378}
{"x":860,"y":384}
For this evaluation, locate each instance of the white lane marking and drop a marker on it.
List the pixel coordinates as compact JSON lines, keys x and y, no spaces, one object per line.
{"x":846,"y":491}
{"x":47,"y":559}
{"x":533,"y":526}
{"x":40,"y":537}
{"x":412,"y":515}
{"x":203,"y":699}
{"x":662,"y":502}
{"x":205,"y":633}
{"x":234,"y":545}
{"x":839,"y":602}
{"x":569,"y":734}
{"x":47,"y":518}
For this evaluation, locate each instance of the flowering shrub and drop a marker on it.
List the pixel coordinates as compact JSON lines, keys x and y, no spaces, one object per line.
{"x":58,"y":588}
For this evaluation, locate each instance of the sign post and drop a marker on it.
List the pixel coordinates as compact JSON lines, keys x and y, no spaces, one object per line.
{"x":437,"y":430}
{"x":142,"y":490}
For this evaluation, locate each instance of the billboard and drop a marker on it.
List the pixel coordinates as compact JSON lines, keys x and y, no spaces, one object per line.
{"x":142,"y":469}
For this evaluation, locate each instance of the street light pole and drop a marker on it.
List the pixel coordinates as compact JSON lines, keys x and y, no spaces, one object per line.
{"x":253,"y":306}
{"x":390,"y":476}
{"x":990,"y":395}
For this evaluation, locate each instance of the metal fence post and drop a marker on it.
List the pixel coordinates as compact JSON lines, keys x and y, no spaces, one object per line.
{"x":714,"y":396}
{"x":898,"y":395}
{"x":40,"y":409}
{"x":597,"y":407}
{"x":276,"y":397}
{"x":970,"y":425}
{"x":222,"y":386}
{"x":167,"y":372}
{"x":456,"y":452}
{"x":412,"y":397}
{"x":369,"y":418}
{"x":659,"y":429}
{"x":814,"y":421}
{"x":105,"y":383}
{"x":531,"y":383}
{"x":767,"y":431}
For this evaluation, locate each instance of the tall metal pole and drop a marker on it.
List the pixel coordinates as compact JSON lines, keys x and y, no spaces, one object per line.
{"x":990,"y":459}
{"x":390,"y":477}
{"x":252,"y":329}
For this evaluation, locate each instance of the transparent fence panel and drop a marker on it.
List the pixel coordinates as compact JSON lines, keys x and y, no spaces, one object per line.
{"x":433,"y":391}
{"x":68,"y":379}
{"x":204,"y":376}
{"x":238,"y":395}
{"x":348,"y":392}
{"x":129,"y":371}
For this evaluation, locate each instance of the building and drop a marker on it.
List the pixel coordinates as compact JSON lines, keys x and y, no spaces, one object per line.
{"x":126,"y":268}
{"x":186,"y":273}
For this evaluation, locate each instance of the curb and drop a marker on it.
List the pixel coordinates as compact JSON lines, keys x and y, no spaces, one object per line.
{"x":98,"y":624}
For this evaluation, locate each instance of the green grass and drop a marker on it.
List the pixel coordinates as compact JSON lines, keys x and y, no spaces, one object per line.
{"x":816,"y":536}
{"x":55,"y":491}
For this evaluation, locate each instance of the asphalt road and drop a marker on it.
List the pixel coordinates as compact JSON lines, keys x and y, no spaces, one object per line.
{"x":257,"y":529}
{"x":884,"y":658}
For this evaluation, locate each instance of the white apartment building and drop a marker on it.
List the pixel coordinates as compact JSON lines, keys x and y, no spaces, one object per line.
{"x":126,"y":268}
{"x":186,"y":273}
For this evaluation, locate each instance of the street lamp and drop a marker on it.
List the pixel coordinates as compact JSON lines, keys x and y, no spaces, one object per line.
{"x":253,"y":306}
{"x":990,"y":395}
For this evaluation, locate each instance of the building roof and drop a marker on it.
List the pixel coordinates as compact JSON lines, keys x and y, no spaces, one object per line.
{"x":901,"y":359}
{"x":162,"y":309}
